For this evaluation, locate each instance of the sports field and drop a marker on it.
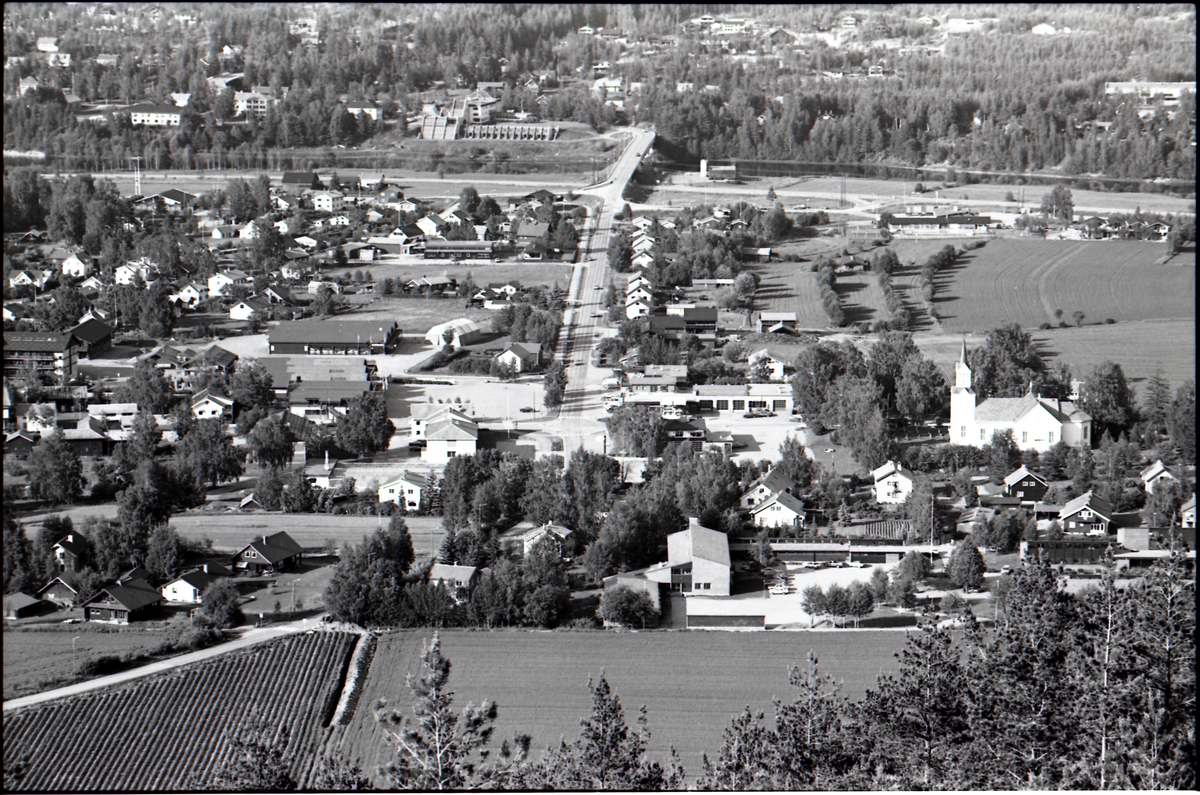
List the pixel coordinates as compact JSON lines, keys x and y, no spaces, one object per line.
{"x":1025,"y":281}
{"x":692,"y":683}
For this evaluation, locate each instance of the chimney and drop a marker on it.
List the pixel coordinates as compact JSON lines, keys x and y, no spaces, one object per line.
{"x":205,"y":568}
{"x":71,"y":538}
{"x":326,"y":460}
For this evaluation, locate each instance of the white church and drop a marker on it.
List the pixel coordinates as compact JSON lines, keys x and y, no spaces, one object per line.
{"x":1036,"y":423}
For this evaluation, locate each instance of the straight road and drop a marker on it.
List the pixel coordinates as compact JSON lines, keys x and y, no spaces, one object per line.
{"x":580,"y":420}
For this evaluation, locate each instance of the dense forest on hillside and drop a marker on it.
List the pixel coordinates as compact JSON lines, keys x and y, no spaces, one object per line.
{"x":1000,"y":100}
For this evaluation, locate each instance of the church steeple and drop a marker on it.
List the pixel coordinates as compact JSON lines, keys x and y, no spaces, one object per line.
{"x":962,"y":371}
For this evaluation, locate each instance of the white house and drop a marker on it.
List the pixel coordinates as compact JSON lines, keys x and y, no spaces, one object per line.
{"x":219,"y":283}
{"x":245,"y":308}
{"x":562,"y":537}
{"x":643,"y":260}
{"x":329,"y":201}
{"x":775,"y":366}
{"x":189,"y":586}
{"x":74,"y":266}
{"x":1036,"y":423}
{"x":1155,"y":474}
{"x":206,"y":405}
{"x":131,"y":271}
{"x":893,"y":483}
{"x":448,"y":436}
{"x":190,"y":295}
{"x":782,"y":509}
{"x":765,"y":487}
{"x":405,"y":490}
{"x":249,"y":231}
{"x":521,"y":356}
{"x":1187,"y":513}
{"x":636,"y":309}
{"x":420,"y":414}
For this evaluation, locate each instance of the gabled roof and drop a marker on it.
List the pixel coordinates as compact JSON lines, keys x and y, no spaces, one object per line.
{"x":66,"y":578}
{"x":1098,"y":505}
{"x":524,"y":349}
{"x":445,"y":571}
{"x":704,"y":544}
{"x":1155,"y":470}
{"x":783,"y":498}
{"x":205,"y":394}
{"x":274,"y":548}
{"x":216,"y":355}
{"x":75,"y":544}
{"x":197,"y":578}
{"x":1190,"y":505}
{"x":889,"y":468}
{"x":773,"y":481}
{"x":451,"y":428}
{"x":19,"y":601}
{"x":411,"y":478}
{"x":133,"y":595}
{"x":1020,"y":473}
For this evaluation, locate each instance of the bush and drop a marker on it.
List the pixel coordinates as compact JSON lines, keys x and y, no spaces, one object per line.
{"x":1109,"y":321}
{"x":1044,"y":327}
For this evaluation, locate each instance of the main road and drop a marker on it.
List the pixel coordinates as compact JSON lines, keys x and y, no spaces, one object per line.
{"x":578,"y":423}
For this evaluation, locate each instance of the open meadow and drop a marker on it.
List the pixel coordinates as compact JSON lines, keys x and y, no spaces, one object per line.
{"x":692,"y":683}
{"x":1024,"y":281}
{"x":545,"y":274}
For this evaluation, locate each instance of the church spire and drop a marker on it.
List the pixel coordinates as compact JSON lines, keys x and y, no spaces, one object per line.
{"x":962,"y":370}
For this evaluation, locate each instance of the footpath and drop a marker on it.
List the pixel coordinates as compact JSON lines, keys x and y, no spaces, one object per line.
{"x":247,"y":637}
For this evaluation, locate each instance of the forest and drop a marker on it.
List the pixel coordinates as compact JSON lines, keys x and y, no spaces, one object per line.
{"x":1003,"y":101}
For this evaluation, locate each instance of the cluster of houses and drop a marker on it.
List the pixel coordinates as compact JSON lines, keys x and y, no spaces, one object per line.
{"x":133,"y":596}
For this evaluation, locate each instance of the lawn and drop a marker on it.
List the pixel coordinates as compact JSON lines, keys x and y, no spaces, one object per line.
{"x":43,"y":655}
{"x":692,"y":683}
{"x":791,"y":287}
{"x":527,"y":273}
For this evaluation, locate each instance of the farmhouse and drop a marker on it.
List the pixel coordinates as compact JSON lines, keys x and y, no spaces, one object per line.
{"x":697,"y":562}
{"x":1156,"y":475}
{"x":122,"y":602}
{"x":782,"y":509}
{"x":774,"y":365}
{"x":335,"y":337}
{"x":276,"y":552}
{"x":459,"y":579}
{"x":71,"y":553}
{"x":762,"y":488}
{"x":1036,"y":423}
{"x":1187,"y":513}
{"x":521,"y":356}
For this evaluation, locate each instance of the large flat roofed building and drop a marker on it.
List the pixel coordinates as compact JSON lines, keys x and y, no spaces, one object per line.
{"x":357,"y":337}
{"x":463,"y":249}
{"x":152,"y":115}
{"x":50,"y":355}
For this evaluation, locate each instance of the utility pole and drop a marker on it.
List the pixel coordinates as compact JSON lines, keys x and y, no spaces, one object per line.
{"x":74,"y":664}
{"x":293,"y":597}
{"x":137,"y":179}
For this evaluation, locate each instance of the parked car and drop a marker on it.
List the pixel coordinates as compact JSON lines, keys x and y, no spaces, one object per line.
{"x":780,"y":588}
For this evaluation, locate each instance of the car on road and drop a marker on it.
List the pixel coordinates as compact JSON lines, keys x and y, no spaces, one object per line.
{"x":756,"y":413}
{"x":829,"y":449}
{"x":780,"y":588}
{"x":527,"y":409}
{"x":1006,"y":570}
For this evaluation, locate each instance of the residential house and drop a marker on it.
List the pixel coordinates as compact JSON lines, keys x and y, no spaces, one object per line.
{"x":22,"y":605}
{"x":71,"y":554}
{"x":774,"y":365}
{"x":77,"y":266}
{"x":893,"y":483}
{"x":459,"y":580}
{"x":329,"y":201}
{"x":643,"y":260}
{"x":776,"y":322}
{"x":219,"y":284}
{"x":123,"y":602}
{"x":62,"y":590}
{"x":189,"y":586}
{"x":278,"y":294}
{"x":208,"y":405}
{"x":93,"y":337}
{"x":782,"y":509}
{"x":521,"y":356}
{"x":432,"y":226}
{"x":249,"y":231}
{"x":1155,"y":475}
{"x":277,"y":552}
{"x":247,"y":307}
{"x":150,"y":114}
{"x":189,"y":295}
{"x":639,"y":308}
{"x":406,"y":490}
{"x":1026,"y":485}
{"x":420,"y":414}
{"x":130,"y":272}
{"x":765,"y":486}
{"x":447,"y":436}
{"x":697,"y":563}
{"x":1187,"y":513}
{"x":1088,"y":514}
{"x":561,"y":537}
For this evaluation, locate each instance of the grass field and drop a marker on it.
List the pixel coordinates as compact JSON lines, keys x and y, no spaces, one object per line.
{"x":692,"y":683}
{"x":1140,"y":348}
{"x":527,"y":273}
{"x":1024,"y":281}
{"x":156,"y":733}
{"x":790,"y":287}
{"x":44,"y":654}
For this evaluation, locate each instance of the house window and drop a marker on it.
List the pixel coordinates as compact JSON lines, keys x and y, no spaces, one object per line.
{"x":1024,"y":437}
{"x":1051,"y":439}
{"x":981,"y":434}
{"x":739,"y":405}
{"x":722,"y":405}
{"x":962,"y":431}
{"x":449,"y":454}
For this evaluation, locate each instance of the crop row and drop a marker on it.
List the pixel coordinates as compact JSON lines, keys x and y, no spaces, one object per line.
{"x":172,"y":730}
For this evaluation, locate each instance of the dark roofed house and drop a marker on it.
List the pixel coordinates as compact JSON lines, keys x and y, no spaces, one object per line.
{"x":123,"y":602}
{"x":22,"y":605}
{"x":71,"y":553}
{"x":269,"y":553}
{"x":301,"y":179}
{"x":94,"y":337}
